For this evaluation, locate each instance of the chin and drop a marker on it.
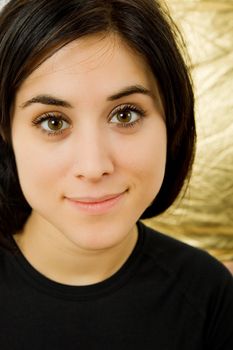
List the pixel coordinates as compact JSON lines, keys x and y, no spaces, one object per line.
{"x":99,"y":236}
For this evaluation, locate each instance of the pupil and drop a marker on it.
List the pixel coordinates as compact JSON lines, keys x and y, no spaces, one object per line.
{"x":55,"y":124}
{"x":124,"y":116}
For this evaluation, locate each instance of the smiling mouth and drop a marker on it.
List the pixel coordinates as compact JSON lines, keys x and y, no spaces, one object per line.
{"x":96,"y":205}
{"x":93,"y":200}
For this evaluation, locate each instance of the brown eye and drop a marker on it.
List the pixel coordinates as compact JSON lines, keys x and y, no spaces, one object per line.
{"x":52,"y":124}
{"x":55,"y":124}
{"x":124,"y":116}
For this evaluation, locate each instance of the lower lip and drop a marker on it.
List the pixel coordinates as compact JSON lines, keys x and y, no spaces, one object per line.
{"x":97,"y":207}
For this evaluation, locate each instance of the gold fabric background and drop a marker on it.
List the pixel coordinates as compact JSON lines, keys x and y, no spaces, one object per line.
{"x":204,"y":217}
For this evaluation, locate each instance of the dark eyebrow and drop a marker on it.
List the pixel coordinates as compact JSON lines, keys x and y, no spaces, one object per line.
{"x":54,"y":101}
{"x":47,"y":100}
{"x":129,"y":90}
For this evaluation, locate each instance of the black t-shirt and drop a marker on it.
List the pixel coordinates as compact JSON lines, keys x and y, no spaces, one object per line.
{"x":167,"y":296}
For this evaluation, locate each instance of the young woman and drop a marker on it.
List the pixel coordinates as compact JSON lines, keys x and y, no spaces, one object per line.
{"x":97,"y":132}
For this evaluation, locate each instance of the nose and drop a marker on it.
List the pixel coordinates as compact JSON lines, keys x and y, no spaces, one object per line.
{"x":93,"y":158}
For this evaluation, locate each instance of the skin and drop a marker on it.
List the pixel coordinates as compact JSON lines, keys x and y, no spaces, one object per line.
{"x":229,"y":265}
{"x":94,"y":156}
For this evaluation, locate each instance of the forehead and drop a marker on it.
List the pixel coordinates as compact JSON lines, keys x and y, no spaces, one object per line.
{"x":85,"y":53}
{"x":96,"y":65}
{"x":89,"y":53}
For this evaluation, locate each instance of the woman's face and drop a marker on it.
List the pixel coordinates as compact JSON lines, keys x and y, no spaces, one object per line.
{"x":89,"y":139}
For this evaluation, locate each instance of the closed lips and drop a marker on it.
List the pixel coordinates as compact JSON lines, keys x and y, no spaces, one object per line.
{"x":94,"y":200}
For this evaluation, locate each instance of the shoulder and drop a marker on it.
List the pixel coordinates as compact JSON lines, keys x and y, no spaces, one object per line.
{"x":173,"y":254}
{"x":195,"y":271}
{"x":198,"y":280}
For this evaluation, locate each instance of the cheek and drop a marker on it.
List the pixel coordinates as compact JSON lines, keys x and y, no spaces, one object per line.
{"x":145,"y":160}
{"x":151,"y":169}
{"x":146,"y":174}
{"x":37,"y":168}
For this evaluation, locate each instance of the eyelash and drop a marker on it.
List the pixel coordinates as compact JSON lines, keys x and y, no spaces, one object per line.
{"x":131,"y":108}
{"x":58,"y":117}
{"x":50,"y":116}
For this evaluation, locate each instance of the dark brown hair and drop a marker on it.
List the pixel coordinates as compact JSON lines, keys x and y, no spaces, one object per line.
{"x":31,"y":30}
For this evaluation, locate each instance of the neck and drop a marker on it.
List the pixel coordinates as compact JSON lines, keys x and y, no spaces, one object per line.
{"x":67,"y":263}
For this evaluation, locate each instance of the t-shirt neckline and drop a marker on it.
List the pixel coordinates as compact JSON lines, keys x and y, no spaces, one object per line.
{"x":48,"y":286}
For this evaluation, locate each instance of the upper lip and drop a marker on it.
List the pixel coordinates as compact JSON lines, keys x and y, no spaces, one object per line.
{"x":95,"y":199}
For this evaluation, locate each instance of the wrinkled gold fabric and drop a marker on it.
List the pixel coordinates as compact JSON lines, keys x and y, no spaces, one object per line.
{"x":204,"y":217}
